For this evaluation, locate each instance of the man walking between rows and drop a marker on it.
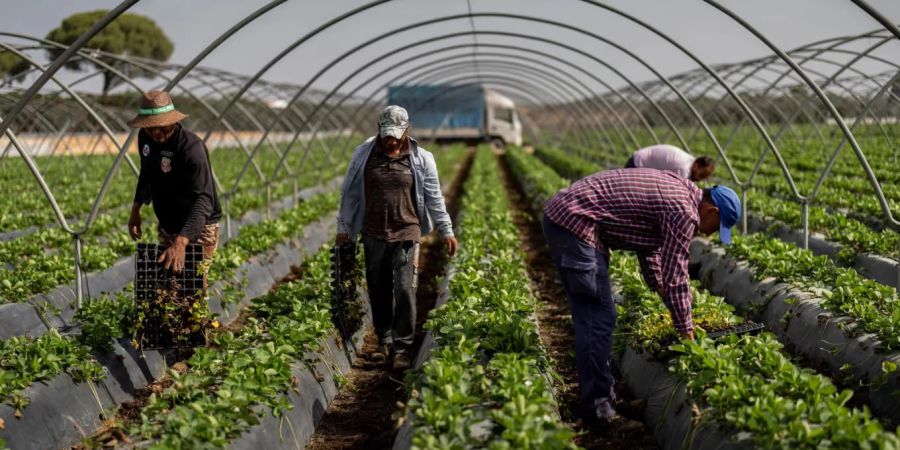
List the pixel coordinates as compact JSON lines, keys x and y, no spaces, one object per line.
{"x":392,"y":196}
{"x":648,"y":211}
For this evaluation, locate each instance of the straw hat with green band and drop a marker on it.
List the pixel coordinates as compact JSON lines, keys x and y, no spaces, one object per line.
{"x":156,"y":110}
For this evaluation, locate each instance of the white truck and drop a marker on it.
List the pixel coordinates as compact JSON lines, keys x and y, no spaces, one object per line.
{"x":462,"y":112}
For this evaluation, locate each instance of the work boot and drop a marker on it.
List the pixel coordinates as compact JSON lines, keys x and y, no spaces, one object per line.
{"x":600,"y":415}
{"x":380,"y":355}
{"x":401,"y":361}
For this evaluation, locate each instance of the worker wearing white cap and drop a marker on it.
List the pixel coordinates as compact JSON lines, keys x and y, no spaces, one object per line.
{"x":392,"y":197}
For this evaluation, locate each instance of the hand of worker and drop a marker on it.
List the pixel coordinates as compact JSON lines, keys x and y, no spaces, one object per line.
{"x":689,"y":335}
{"x":452,"y":244}
{"x":341,"y":238}
{"x":173,"y":257}
{"x":134,"y":224}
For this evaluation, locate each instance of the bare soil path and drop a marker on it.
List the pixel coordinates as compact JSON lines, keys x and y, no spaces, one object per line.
{"x":555,"y":326}
{"x":364,"y":414}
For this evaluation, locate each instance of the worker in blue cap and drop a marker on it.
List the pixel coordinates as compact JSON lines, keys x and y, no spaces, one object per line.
{"x":654,"y":213}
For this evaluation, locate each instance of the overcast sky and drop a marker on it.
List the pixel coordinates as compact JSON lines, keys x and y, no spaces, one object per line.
{"x":193,"y":24}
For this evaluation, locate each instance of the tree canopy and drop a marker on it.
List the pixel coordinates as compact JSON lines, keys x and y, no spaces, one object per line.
{"x":130,"y":35}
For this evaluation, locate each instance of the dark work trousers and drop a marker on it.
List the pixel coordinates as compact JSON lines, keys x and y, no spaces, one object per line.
{"x":392,"y":278}
{"x":584,"y":272}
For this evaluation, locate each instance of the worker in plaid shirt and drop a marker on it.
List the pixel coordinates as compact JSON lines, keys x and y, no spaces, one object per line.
{"x":652,"y":212}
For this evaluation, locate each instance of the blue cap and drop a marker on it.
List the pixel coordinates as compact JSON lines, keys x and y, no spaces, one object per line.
{"x":729,"y":210}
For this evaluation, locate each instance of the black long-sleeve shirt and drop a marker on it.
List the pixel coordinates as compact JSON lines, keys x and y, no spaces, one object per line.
{"x":176,"y":177}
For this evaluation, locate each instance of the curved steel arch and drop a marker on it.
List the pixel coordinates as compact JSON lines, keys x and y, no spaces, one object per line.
{"x":873,"y":180}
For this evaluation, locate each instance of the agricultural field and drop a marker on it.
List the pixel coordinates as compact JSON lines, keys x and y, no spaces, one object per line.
{"x":380,"y":276}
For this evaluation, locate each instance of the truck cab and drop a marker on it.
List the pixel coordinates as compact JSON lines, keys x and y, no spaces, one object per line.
{"x":502,"y":119}
{"x":462,"y":112}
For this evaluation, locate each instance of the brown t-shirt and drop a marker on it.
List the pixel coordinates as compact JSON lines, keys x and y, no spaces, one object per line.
{"x":390,"y":209}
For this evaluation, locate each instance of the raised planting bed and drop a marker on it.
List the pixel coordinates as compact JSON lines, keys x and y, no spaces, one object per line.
{"x":873,"y":266}
{"x":481,"y":378}
{"x":56,"y":308}
{"x":264,"y":385}
{"x":734,"y":392}
{"x":839,"y":321}
{"x":245,"y":268}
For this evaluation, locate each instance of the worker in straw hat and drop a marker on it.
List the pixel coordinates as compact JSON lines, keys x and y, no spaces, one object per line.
{"x":391,"y":195}
{"x":176,"y":177}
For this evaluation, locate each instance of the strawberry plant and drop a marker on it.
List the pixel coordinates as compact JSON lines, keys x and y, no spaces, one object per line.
{"x":748,"y":384}
{"x":486,"y":384}
{"x":875,"y":308}
{"x":24,"y":361}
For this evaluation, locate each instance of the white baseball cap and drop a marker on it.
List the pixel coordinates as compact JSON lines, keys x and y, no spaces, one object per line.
{"x":393,"y":121}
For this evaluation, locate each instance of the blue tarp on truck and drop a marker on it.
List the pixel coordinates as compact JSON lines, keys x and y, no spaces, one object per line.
{"x":441,"y":106}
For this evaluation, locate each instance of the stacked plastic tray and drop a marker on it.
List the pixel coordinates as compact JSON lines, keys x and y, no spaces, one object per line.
{"x":150,"y":280}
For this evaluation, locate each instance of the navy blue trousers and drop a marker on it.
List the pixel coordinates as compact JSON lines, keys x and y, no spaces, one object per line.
{"x":584,"y":273}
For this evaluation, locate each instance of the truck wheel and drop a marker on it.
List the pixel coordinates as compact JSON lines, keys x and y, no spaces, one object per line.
{"x":498,"y":143}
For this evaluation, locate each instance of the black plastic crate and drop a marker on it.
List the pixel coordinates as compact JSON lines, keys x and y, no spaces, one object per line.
{"x":346,"y":273}
{"x":156,"y":289}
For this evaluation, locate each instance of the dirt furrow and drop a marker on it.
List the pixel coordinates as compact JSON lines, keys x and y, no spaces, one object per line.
{"x":557,"y":336}
{"x":364,"y":414}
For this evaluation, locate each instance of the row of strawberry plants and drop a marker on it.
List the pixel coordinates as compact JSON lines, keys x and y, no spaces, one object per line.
{"x":485,"y":384}
{"x":294,"y":315}
{"x":870,"y":303}
{"x":854,"y":236}
{"x":757,"y":363}
{"x":745,"y":383}
{"x":112,"y":317}
{"x":75,"y":181}
{"x":228,"y":387}
{"x":39,"y":262}
{"x":874,"y":308}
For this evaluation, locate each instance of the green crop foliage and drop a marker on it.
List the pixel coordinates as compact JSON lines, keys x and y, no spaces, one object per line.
{"x":24,"y":361}
{"x":747,"y":382}
{"x":485,"y":385}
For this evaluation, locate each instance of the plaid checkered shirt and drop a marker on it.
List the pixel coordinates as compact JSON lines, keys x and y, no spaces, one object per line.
{"x":652,"y":212}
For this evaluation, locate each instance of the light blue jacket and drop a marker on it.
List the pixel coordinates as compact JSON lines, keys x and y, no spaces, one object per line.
{"x":429,"y":198}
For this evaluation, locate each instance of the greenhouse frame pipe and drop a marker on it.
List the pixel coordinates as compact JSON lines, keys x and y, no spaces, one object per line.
{"x":788,"y":124}
{"x":731,"y":92}
{"x":884,"y":21}
{"x":824,"y":84}
{"x":395,"y":51}
{"x":873,"y":180}
{"x":95,"y":108}
{"x":175,"y":80}
{"x":454,"y":17}
{"x":764,"y":61}
{"x":841,"y":68}
{"x":567,"y":91}
{"x":58,"y":63}
{"x":545,"y":82}
{"x":37,"y":174}
{"x":265,"y":68}
{"x":594,"y":94}
{"x":825,"y":173}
